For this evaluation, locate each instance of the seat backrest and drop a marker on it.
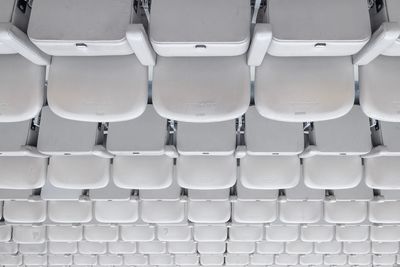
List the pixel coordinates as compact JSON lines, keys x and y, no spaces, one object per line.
{"x":76,"y":28}
{"x":318,"y":27}
{"x":59,"y":136}
{"x":269,"y":137}
{"x":219,"y":194}
{"x":145,"y":135}
{"x":347,"y":135}
{"x":206,"y":138}
{"x":14,"y":135}
{"x":389,"y":133}
{"x":200,"y":27}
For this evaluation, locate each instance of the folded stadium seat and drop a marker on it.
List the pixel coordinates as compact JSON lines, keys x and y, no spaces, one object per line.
{"x":174,"y":232}
{"x":301,"y":204}
{"x":206,"y":155}
{"x":113,"y":204}
{"x":201,"y":73}
{"x":378,"y":63}
{"x":385,"y":208}
{"x":98,"y":70}
{"x":78,"y":158}
{"x":25,"y":211}
{"x":29,"y":234}
{"x":101,"y":233}
{"x":64,"y":233}
{"x":22,"y":91}
{"x":311,"y":42}
{"x":279,"y":232}
{"x":348,"y":206}
{"x":209,"y":206}
{"x":210,"y":233}
{"x":352,"y":232}
{"x":332,"y":159}
{"x":254,"y":205}
{"x":321,"y":232}
{"x":68,"y":211}
{"x":138,"y":232}
{"x":382,"y":163}
{"x":22,"y":167}
{"x":143,"y":158}
{"x":163,"y":205}
{"x":272,"y":148}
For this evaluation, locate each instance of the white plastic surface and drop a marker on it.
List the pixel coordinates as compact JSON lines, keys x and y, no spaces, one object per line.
{"x":97,"y":89}
{"x":319,"y":88}
{"x":210,"y":89}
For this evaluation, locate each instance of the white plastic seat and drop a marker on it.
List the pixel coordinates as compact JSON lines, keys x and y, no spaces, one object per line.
{"x":68,"y":211}
{"x":261,"y":259}
{"x":282,"y":232}
{"x":286,"y":259}
{"x":206,"y":158}
{"x":110,"y":260}
{"x":357,"y":248}
{"x":152,"y":247}
{"x":32,"y":260}
{"x":12,"y":260}
{"x":101,"y":233}
{"x":30,"y":249}
{"x":203,"y":62}
{"x":65,"y":233}
{"x":80,"y":259}
{"x":378,"y":62}
{"x":78,"y":160}
{"x":299,"y":247}
{"x":335,"y":259}
{"x":311,"y":259}
{"x":87,"y":247}
{"x":135,"y":259}
{"x":62,"y":247}
{"x":381,"y":165}
{"x":121,"y":247}
{"x":317,"y":233}
{"x":332,"y":160}
{"x":22,"y":92}
{"x":209,"y":206}
{"x":183,"y":247}
{"x":211,"y":259}
{"x":211,"y":247}
{"x":348,"y":205}
{"x":236,"y":259}
{"x":115,"y":211}
{"x":385,"y":209}
{"x":254,"y":205}
{"x":210,"y":232}
{"x":359,"y":259}
{"x":24,"y":211}
{"x":307,"y":42}
{"x":272,"y":148}
{"x":190,"y":259}
{"x":267,"y":247}
{"x":332,"y":247}
{"x":162,"y":205}
{"x":133,"y":233}
{"x":177,"y":232}
{"x":251,"y":232}
{"x":21,"y":165}
{"x":301,"y":204}
{"x":93,"y":59}
{"x":352,"y":233}
{"x":139,"y":146}
{"x":240,"y":247}
{"x":385,"y":233}
{"x":29,"y":234}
